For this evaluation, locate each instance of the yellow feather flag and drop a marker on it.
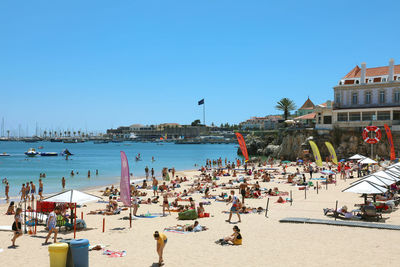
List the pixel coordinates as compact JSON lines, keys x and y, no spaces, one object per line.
{"x":315,"y":151}
{"x":332,"y":152}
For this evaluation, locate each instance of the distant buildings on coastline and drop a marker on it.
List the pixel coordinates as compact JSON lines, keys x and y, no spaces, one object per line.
{"x":362,"y":97}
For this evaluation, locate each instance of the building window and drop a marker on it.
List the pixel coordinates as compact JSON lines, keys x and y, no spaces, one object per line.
{"x":354,"y":98}
{"x":397,"y":96}
{"x":367,"y":116}
{"x":383,"y":79}
{"x":342,"y":116}
{"x":368,"y":98}
{"x":396,"y":115}
{"x":383,"y":115}
{"x":337,"y":98}
{"x":354,"y":116}
{"x":382,"y":97}
{"x":327,"y":119}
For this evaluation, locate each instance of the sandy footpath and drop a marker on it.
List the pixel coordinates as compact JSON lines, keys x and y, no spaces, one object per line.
{"x":266,"y":242}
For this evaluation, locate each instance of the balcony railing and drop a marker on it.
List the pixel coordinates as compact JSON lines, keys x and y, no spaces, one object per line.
{"x":373,"y":105}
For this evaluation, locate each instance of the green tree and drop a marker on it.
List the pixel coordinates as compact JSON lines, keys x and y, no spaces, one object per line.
{"x":196,"y":123}
{"x":286,"y":105}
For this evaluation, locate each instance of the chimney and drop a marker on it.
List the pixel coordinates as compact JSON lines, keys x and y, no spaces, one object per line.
{"x":363,"y":70}
{"x":391,"y":70}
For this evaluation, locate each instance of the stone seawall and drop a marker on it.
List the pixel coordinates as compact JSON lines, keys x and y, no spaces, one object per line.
{"x":289,"y":143}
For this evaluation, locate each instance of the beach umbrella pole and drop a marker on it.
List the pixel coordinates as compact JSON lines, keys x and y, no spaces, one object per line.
{"x":317,"y":187}
{"x":130,"y":217}
{"x":75,"y":222}
{"x":25,"y":218}
{"x":291,"y":198}
{"x":336,"y":210}
{"x":266,"y":209}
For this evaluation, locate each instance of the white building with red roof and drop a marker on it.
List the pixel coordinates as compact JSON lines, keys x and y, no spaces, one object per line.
{"x":368,"y":94}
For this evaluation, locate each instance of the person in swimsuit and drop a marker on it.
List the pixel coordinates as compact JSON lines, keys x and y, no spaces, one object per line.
{"x":22,"y":192}
{"x":16,"y":226}
{"x":165,"y":203}
{"x":40,"y":189}
{"x":235,"y":206}
{"x":243,"y":187}
{"x":161,"y":242}
{"x":52,"y":225}
{"x":27,"y":191}
{"x":236,"y":237}
{"x":7,"y":189}
{"x":63,"y":183}
{"x":155,"y":186}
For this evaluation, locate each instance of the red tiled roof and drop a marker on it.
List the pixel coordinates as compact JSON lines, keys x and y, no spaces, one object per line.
{"x":370,"y":72}
{"x":308,"y":104}
{"x":309,"y":116}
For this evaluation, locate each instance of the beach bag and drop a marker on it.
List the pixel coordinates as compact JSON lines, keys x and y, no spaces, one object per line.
{"x":187,"y":215}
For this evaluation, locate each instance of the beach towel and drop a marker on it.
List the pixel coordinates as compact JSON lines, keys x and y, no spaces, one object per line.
{"x":114,"y":254}
{"x":175,"y":231}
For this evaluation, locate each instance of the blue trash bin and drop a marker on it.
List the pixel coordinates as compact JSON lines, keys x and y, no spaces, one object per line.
{"x":80,"y":252}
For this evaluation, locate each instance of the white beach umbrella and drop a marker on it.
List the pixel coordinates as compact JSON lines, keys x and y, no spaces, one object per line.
{"x":386,"y":175}
{"x":367,"y":161}
{"x":376,"y":180}
{"x":73,"y":196}
{"x":393,"y":169}
{"x":357,"y":157}
{"x":365,"y":187}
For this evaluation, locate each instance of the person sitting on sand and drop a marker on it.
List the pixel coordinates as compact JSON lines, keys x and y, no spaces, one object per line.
{"x":234,"y":239}
{"x":200,"y":210}
{"x":10,"y":209}
{"x":107,"y":192}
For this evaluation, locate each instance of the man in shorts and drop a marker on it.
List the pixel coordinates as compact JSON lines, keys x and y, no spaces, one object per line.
{"x":235,"y":206}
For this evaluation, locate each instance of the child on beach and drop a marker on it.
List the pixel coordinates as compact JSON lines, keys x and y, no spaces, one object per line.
{"x":52,"y":225}
{"x":16,"y":226}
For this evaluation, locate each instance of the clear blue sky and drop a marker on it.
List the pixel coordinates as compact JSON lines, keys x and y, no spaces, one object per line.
{"x":98,"y":64}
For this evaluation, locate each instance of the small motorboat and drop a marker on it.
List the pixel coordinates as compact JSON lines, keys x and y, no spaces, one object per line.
{"x":48,"y":154}
{"x":4,"y":154}
{"x":31,"y":152}
{"x":100,"y":142}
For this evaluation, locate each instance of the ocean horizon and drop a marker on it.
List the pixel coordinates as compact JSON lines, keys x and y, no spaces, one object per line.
{"x":19,"y":168}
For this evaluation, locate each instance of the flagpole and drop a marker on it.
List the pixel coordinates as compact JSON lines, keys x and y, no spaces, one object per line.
{"x":204,"y":113}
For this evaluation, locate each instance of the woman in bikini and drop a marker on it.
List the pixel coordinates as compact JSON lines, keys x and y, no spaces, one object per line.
{"x":165,"y":203}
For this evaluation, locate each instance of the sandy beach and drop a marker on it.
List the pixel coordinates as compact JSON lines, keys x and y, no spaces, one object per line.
{"x":266,"y":241}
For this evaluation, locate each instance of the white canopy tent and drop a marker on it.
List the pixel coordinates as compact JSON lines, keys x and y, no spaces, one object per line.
{"x":365,"y":187}
{"x":376,"y":180}
{"x":367,"y":161}
{"x":357,"y":157}
{"x":73,"y":196}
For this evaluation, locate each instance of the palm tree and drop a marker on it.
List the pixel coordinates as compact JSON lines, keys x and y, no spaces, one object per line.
{"x":286,"y":105}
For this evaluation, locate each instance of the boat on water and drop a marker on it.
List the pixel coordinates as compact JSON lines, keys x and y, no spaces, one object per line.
{"x":4,"y":154}
{"x":31,"y":152}
{"x":117,"y":141}
{"x":73,"y":141}
{"x":56,"y":140}
{"x":48,"y":154}
{"x":100,"y":142}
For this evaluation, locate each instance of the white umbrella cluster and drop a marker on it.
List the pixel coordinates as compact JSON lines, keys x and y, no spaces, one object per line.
{"x":376,"y":183}
{"x":73,"y":196}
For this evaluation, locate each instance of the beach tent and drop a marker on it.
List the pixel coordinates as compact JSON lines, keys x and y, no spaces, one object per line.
{"x":367,"y":161}
{"x":376,"y":180}
{"x":73,"y":196}
{"x":365,"y":187}
{"x":387,"y":175}
{"x":357,"y":157}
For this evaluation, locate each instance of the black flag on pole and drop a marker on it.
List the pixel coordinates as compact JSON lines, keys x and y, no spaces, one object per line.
{"x":201,"y":102}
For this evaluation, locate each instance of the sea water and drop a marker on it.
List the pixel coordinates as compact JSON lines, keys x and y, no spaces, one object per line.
{"x":19,"y":169}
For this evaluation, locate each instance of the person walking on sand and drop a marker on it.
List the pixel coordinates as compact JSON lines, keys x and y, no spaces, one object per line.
{"x":63,"y":183}
{"x":165,"y":203}
{"x":235,"y":206}
{"x":161,"y":242}
{"x":40,"y":189}
{"x":22,"y":192}
{"x":173,"y":173}
{"x":16,"y":226}
{"x":7,"y":190}
{"x":52,"y":225}
{"x":155,"y":186}
{"x":33,"y":192}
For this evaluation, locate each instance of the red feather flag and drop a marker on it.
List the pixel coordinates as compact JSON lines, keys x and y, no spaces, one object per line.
{"x":242,"y":145}
{"x":390,"y":139}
